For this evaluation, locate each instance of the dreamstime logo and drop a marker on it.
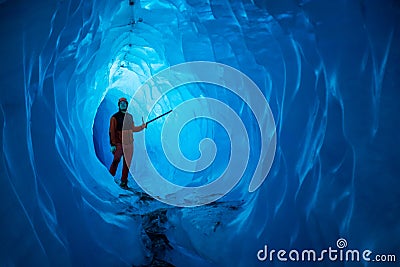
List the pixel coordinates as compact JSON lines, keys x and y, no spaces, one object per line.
{"x":341,"y":243}
{"x":341,"y":253}
{"x":231,"y":79}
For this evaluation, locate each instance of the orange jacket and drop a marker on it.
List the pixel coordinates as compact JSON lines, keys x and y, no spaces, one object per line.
{"x":120,"y":130}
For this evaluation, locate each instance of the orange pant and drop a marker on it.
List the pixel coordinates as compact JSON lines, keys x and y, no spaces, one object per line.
{"x":126,"y":151}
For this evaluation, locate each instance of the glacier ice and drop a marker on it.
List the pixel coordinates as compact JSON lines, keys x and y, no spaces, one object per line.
{"x":329,"y":70}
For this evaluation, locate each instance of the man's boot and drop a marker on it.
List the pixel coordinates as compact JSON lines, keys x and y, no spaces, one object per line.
{"x":124,"y":184}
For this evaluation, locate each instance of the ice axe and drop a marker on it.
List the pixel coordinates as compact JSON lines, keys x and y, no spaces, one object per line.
{"x":156,"y":118}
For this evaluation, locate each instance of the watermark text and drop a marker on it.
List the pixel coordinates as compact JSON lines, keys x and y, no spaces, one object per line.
{"x":339,"y":253}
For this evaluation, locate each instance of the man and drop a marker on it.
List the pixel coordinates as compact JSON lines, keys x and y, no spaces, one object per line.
{"x":121,"y":139}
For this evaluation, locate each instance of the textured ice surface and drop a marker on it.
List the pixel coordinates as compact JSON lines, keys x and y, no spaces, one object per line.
{"x":329,"y":69}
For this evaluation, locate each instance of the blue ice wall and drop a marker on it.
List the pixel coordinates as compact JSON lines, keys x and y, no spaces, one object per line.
{"x":329,"y":70}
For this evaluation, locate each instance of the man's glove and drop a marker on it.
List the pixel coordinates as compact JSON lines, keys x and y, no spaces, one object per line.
{"x":113,"y":148}
{"x":144,"y":125}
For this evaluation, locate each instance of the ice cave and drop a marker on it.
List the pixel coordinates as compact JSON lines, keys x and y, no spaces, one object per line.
{"x":291,"y":107}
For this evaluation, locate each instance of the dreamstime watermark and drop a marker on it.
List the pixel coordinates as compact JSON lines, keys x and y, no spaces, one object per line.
{"x":156,"y":89}
{"x":340,"y":253}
